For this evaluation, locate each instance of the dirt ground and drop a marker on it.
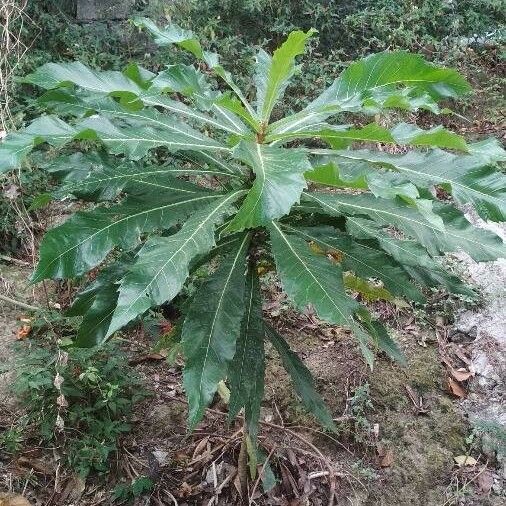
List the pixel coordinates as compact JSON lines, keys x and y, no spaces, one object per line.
{"x":400,"y":429}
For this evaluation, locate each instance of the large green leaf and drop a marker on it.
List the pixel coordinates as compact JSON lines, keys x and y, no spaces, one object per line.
{"x":54,"y":75}
{"x":411,"y":255}
{"x":468,"y":177}
{"x":360,"y":258}
{"x":311,"y":279}
{"x":94,"y":177}
{"x":86,"y":238}
{"x":272,"y":75}
{"x":278,"y":183}
{"x":171,"y":34}
{"x":382,"y":80}
{"x":136,"y":141}
{"x":211,"y":329}
{"x":302,"y":380}
{"x":341,"y":136}
{"x":96,"y":305}
{"x":16,"y":146}
{"x":162,"y":264}
{"x":246,"y":374}
{"x":458,"y":233}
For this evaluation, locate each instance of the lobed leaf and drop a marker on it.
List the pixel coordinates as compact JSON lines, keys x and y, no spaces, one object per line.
{"x":360,"y":258}
{"x":272,"y":75}
{"x":211,"y":329}
{"x":469,"y":178}
{"x":278,"y":183}
{"x":458,"y":233}
{"x":380,"y":81}
{"x":86,"y":238}
{"x":247,"y":370}
{"x":162,"y":264}
{"x":310,"y":279}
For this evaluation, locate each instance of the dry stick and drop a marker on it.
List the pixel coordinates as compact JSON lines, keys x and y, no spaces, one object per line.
{"x":260,"y":474}
{"x":332,"y":481}
{"x":18,"y":303}
{"x":17,"y":261}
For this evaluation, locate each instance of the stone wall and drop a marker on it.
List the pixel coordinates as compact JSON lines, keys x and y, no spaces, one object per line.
{"x":90,"y":10}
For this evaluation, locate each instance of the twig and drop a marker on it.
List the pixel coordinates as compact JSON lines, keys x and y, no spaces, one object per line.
{"x":260,"y":474}
{"x":17,"y":261}
{"x":18,"y":303}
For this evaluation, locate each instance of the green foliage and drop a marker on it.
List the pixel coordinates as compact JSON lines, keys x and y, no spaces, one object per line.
{"x":78,"y":400}
{"x":129,"y":491}
{"x":256,"y":185}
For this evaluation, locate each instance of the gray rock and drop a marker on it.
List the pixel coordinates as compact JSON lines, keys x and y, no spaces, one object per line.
{"x":90,"y":10}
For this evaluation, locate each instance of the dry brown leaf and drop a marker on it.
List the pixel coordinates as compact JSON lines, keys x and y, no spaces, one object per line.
{"x":37,"y":465}
{"x":461,"y":374}
{"x":23,"y":332}
{"x":200,"y":448}
{"x":456,"y":389}
{"x":465,"y":460}
{"x":7,"y":499}
{"x":386,"y":455}
{"x":148,"y":357}
{"x":185,"y":490}
{"x":388,"y":459}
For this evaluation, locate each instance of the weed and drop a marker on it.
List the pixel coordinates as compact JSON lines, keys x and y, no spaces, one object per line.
{"x":78,"y":400}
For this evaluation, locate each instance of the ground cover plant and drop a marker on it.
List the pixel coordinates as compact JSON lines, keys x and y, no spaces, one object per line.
{"x":77,"y":400}
{"x":187,"y":171}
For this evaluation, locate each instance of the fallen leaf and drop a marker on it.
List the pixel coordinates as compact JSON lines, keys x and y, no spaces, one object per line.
{"x":386,"y":455}
{"x":12,"y":500}
{"x":465,"y":460}
{"x":185,"y":490}
{"x":388,"y":459}
{"x":23,"y":331}
{"x":37,"y":465}
{"x":165,"y":326}
{"x":200,"y":448}
{"x":461,"y":374}
{"x":456,"y":389}
{"x":146,"y":358}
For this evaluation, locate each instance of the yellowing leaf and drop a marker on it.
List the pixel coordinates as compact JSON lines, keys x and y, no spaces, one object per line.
{"x":465,"y":460}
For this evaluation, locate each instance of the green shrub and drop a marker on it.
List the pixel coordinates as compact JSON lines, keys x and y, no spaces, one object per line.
{"x":78,"y":400}
{"x":185,"y":174}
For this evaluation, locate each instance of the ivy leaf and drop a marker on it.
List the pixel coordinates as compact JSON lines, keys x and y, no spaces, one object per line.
{"x":211,"y":329}
{"x":162,"y":264}
{"x":302,"y":380}
{"x":247,"y":369}
{"x":278,"y":184}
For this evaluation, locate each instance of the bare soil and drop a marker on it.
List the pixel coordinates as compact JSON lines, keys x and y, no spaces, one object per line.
{"x":397,"y":449}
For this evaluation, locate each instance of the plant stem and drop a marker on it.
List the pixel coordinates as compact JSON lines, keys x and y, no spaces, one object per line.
{"x":19,"y":303}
